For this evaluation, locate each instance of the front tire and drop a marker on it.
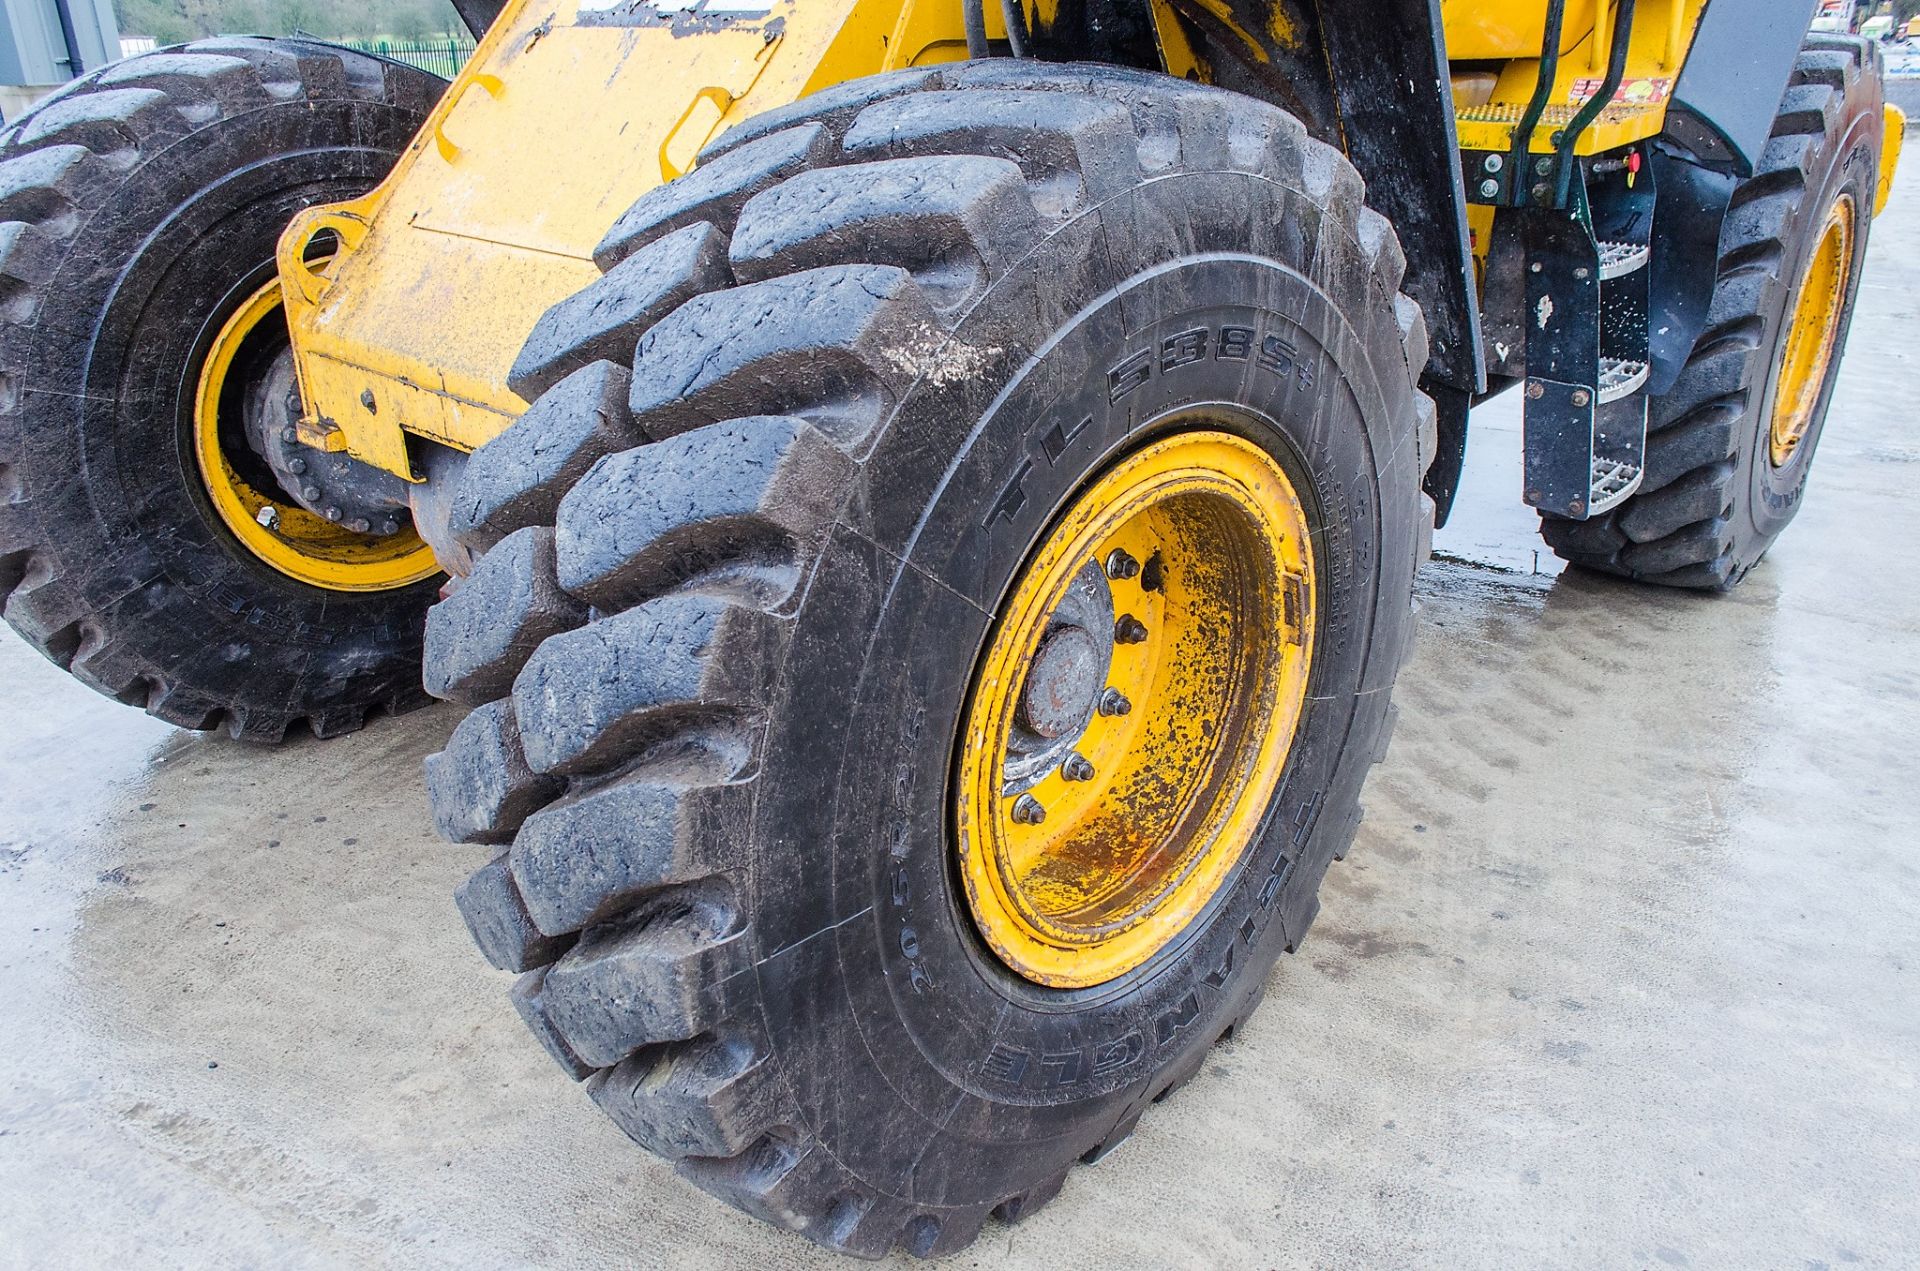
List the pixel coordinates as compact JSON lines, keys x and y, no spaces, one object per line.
{"x":140,"y":209}
{"x":736,"y":593}
{"x":1730,"y":447}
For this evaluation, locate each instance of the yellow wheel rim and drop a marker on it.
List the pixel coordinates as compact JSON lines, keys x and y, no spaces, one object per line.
{"x":1812,"y":332}
{"x":283,"y":534}
{"x":1108,"y":787}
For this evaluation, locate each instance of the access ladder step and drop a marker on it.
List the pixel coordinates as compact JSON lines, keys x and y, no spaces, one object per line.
{"x":1611,"y":483}
{"x":1620,"y":259}
{"x":1621,"y":378}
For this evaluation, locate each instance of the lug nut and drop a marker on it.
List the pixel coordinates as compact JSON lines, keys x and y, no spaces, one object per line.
{"x":333,"y":514}
{"x":1027,"y":811}
{"x":360,"y":525}
{"x":1114,"y":702}
{"x":290,"y":435}
{"x":1121,"y":565}
{"x":296,"y":466}
{"x":390,"y":527}
{"x":1129,"y":630}
{"x":310,"y":493}
{"x":1077,"y":768}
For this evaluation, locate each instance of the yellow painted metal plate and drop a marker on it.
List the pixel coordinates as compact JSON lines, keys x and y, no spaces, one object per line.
{"x":1513,"y":32}
{"x":1173,"y":790}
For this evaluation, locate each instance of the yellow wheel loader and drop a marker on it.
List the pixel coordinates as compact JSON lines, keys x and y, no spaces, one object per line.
{"x":919,"y":498}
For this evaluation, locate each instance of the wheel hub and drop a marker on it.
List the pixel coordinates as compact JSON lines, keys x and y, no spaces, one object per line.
{"x":345,"y":491}
{"x":1134,"y":709}
{"x":321,"y":519}
{"x":1063,"y":684}
{"x":1812,"y":331}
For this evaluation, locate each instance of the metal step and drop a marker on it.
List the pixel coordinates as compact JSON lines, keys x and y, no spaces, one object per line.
{"x":1621,"y":378}
{"x":1612,"y":482}
{"x":1619,"y":259}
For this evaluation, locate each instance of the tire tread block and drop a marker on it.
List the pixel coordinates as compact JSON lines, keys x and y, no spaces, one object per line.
{"x":499,"y":922}
{"x":715,"y":191}
{"x":956,"y":222}
{"x":704,"y":1098}
{"x":1074,"y":150}
{"x":622,"y":687}
{"x":604,"y":321}
{"x":837,"y":346}
{"x":479,"y":637}
{"x":753,"y":492}
{"x":663,"y":975}
{"x":586,"y":858}
{"x":518,"y":478}
{"x":480,"y":786}
{"x":104,"y":122}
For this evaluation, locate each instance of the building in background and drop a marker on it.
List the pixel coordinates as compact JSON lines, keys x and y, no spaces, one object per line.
{"x":45,"y":43}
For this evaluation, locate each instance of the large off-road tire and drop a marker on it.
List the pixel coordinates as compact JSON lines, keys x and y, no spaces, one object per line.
{"x":735,"y":589}
{"x":140,"y":208}
{"x":1717,"y":491}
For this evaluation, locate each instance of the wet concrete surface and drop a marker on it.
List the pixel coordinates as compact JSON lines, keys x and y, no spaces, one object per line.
{"x":1621,"y":971}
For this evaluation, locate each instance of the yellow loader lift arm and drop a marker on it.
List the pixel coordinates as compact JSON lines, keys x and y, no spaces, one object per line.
{"x":409,"y":306}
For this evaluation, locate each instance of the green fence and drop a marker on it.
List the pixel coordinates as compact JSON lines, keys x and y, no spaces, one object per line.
{"x":443,"y":55}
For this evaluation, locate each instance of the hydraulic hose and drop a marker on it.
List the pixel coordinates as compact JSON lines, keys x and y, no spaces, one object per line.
{"x":975,"y":15}
{"x":1016,"y":26}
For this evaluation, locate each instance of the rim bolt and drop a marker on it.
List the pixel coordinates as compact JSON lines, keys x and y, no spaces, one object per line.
{"x":1077,"y":768}
{"x":1121,"y":565}
{"x":1114,"y":702}
{"x":1027,"y":810}
{"x":1129,"y":630}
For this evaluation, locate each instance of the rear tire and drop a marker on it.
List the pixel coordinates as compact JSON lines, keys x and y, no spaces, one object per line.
{"x":1714,"y":499}
{"x":139,"y":208}
{"x":731,"y":595}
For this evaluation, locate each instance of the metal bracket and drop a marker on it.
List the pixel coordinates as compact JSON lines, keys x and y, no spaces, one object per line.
{"x":1586,"y":421}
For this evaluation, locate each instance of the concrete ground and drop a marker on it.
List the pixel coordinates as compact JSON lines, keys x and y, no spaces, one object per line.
{"x":1621,"y":973}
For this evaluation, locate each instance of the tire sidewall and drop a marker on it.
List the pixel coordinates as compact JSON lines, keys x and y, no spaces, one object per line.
{"x":872,"y":976}
{"x":1848,"y":167}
